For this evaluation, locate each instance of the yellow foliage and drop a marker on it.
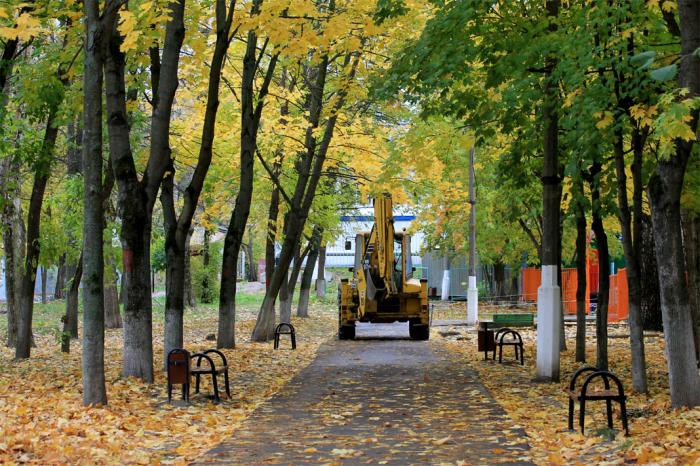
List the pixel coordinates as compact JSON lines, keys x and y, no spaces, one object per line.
{"x":127,"y":28}
{"x":26,"y":26}
{"x":643,"y":114}
{"x":605,"y":119}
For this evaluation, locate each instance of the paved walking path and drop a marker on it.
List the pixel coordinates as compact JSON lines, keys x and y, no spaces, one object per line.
{"x":378,"y":401}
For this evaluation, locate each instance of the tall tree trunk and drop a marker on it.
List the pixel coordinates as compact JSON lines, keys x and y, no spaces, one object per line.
{"x":190,"y":298}
{"x":562,"y":329}
{"x":60,"y":284}
{"x":665,"y":189}
{"x":691,"y":243}
{"x":285,"y":294}
{"x":41,"y":177}
{"x":499,"y":273}
{"x":137,"y":197}
{"x":271,"y":236}
{"x":206,"y":293}
{"x":70,"y":318}
{"x":309,"y":168}
{"x":178,"y":227}
{"x":650,"y":301}
{"x":252,"y":275}
{"x":307,"y":276}
{"x":94,"y":391}
{"x":44,"y":278}
{"x":13,"y":225}
{"x":286,"y":303}
{"x":73,"y":269}
{"x":13,"y":243}
{"x":639,"y":378}
{"x":581,"y":274}
{"x":250,"y":121}
{"x":549,"y":308}
{"x":113,"y":317}
{"x":603,"y":270}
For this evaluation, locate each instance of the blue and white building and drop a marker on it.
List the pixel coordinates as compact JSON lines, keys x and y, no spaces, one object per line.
{"x":361,"y":218}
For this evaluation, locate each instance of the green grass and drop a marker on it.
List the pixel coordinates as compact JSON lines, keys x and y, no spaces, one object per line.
{"x":47,"y":317}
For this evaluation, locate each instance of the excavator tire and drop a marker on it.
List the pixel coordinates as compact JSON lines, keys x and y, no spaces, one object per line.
{"x":419,"y":332}
{"x":346,"y":332}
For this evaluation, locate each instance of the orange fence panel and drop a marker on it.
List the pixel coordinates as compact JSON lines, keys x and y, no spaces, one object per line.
{"x":618,"y":305}
{"x":618,"y":308}
{"x":569,"y":284}
{"x":532,"y":278}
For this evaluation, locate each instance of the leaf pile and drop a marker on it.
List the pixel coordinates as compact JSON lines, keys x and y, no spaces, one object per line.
{"x":42,"y":419}
{"x":659,"y":434}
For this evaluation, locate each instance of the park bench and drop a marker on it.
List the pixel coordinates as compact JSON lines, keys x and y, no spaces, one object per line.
{"x":180,"y":371}
{"x":486,"y":333}
{"x":514,"y":320}
{"x":516,"y":342}
{"x":591,"y":392}
{"x":285,"y":328}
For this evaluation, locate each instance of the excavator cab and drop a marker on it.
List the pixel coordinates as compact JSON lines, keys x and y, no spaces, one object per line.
{"x":382,"y":288}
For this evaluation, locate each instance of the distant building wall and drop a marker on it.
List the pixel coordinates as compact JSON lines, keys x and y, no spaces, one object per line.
{"x":362,"y":219}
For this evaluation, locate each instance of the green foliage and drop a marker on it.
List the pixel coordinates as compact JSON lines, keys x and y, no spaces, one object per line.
{"x":205,"y":280}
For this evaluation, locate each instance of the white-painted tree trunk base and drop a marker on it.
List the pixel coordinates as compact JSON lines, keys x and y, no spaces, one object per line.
{"x":321,"y":288}
{"x":548,"y":321}
{"x":472,"y":302}
{"x":445,"y":294}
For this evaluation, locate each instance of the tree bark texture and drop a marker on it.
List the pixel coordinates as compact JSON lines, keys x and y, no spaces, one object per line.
{"x":309,"y":168}
{"x":70,"y":319}
{"x":60,"y":284}
{"x":178,"y":227}
{"x":137,"y":197}
{"x":307,"y":276}
{"x":271,"y":236}
{"x":691,"y":242}
{"x":113,"y":317}
{"x":321,"y":279}
{"x":94,"y":391}
{"x":13,"y":236}
{"x":650,"y":300}
{"x":252,"y":275}
{"x":251,"y":113}
{"x":603,"y":269}
{"x":581,"y":273}
{"x":190,"y":298}
{"x":44,"y":277}
{"x":41,"y":177}
{"x":548,"y":364}
{"x":631,"y":250}
{"x":664,"y":189}
{"x":206,"y":291}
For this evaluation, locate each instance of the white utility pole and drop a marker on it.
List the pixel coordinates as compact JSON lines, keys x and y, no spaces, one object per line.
{"x":445,"y":294}
{"x":472,"y":291}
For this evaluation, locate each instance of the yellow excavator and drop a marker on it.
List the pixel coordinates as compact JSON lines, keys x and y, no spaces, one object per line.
{"x":382,"y":288}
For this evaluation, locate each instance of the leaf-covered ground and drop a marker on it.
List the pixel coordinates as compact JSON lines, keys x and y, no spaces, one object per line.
{"x":42,"y":419}
{"x":381,"y":399}
{"x":659,"y":434}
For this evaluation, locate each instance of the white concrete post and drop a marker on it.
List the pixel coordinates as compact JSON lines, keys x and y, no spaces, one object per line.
{"x":548,"y":321}
{"x":445,"y":295}
{"x":472,"y":302}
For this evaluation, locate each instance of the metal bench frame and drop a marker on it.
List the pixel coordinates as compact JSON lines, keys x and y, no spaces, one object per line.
{"x":279,"y":330}
{"x":607,"y":395}
{"x":516,"y":343}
